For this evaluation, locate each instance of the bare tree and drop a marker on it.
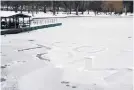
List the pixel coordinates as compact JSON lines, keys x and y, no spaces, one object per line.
{"x":82,"y":7}
{"x":77,"y":4}
{"x":88,"y":6}
{"x":54,"y":7}
{"x":70,"y":6}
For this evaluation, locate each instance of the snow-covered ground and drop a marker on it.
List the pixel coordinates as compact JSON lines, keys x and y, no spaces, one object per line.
{"x":60,"y":14}
{"x":87,"y":53}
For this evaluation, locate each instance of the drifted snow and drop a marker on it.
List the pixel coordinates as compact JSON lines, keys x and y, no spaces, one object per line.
{"x":91,"y":53}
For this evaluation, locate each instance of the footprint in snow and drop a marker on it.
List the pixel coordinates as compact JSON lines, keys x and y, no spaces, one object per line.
{"x":65,"y":82}
{"x":12,"y":63}
{"x":2,"y":79}
{"x":68,"y":84}
{"x":130,"y":37}
{"x":42,"y":58}
{"x":30,"y":40}
{"x":3,"y":66}
{"x":74,"y":87}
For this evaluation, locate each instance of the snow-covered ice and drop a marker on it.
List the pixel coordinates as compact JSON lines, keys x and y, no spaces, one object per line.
{"x":85,"y":53}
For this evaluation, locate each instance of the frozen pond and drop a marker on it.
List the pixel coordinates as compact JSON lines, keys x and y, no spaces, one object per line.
{"x":95,"y":53}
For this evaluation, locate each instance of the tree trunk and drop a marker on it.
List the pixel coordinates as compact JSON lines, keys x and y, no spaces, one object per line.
{"x":125,"y":10}
{"x":82,"y":10}
{"x":77,"y":8}
{"x":32,"y":10}
{"x":66,"y":9}
{"x":7,"y":7}
{"x":88,"y":11}
{"x":54,"y":9}
{"x":16,"y":9}
{"x":45,"y":9}
{"x":28,"y":9}
{"x":21,"y":8}
{"x":36,"y":9}
{"x":70,"y":9}
{"x":58,"y":9}
{"x":95,"y":13}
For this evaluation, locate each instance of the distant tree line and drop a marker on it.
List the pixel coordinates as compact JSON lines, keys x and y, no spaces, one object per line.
{"x":68,"y":6}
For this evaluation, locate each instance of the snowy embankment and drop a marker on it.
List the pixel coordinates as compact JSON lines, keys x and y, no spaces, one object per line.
{"x":61,"y":14}
{"x":86,"y":53}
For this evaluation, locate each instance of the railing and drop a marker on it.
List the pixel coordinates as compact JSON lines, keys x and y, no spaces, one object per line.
{"x":43,"y":21}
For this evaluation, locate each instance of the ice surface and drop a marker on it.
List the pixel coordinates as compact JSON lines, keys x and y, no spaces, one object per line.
{"x":104,"y":43}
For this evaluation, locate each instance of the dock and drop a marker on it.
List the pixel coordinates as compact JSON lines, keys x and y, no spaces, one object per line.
{"x":26,"y":29}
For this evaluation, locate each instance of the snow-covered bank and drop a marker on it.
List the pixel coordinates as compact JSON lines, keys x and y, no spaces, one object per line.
{"x":63,"y":15}
{"x":66,"y":53}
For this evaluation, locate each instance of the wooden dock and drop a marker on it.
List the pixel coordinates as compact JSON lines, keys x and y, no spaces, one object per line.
{"x":25,"y":29}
